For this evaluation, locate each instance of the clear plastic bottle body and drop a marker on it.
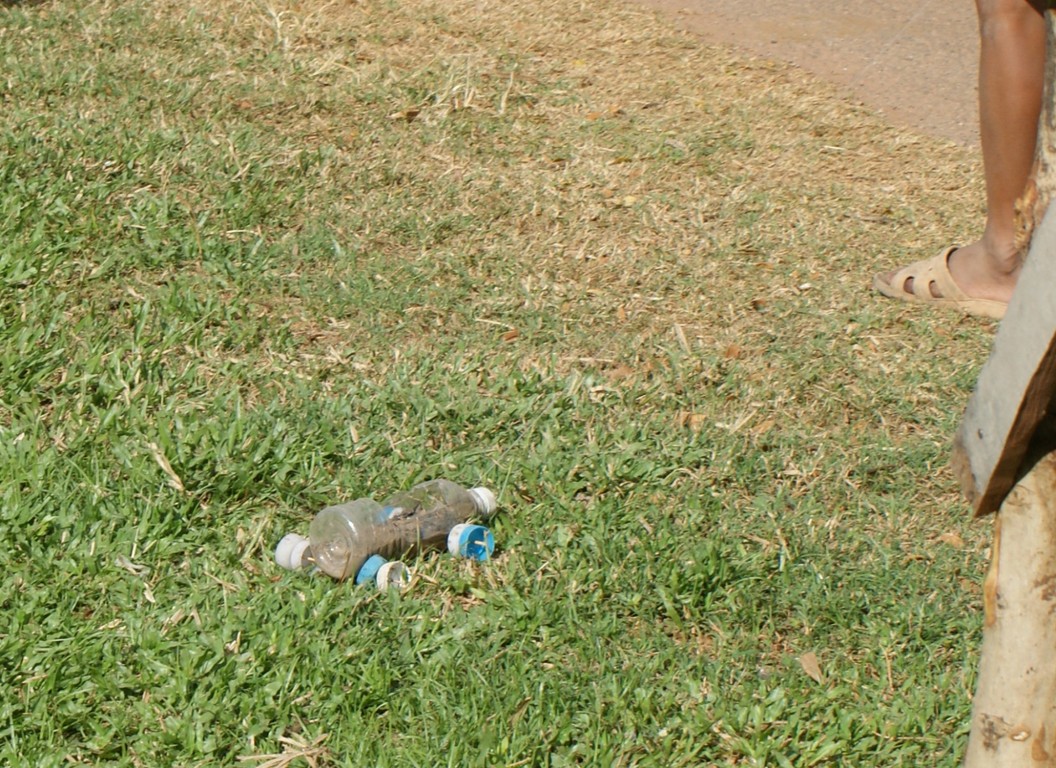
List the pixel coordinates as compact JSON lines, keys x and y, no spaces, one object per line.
{"x":421,"y":518}
{"x":343,"y":536}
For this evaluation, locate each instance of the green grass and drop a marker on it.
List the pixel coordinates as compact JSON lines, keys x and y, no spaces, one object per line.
{"x":257,"y":258}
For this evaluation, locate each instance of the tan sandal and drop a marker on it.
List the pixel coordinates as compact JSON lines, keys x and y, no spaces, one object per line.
{"x":935,"y":273}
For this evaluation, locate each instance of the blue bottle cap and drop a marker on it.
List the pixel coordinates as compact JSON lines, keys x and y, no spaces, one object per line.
{"x":472,"y":541}
{"x":369,"y":571}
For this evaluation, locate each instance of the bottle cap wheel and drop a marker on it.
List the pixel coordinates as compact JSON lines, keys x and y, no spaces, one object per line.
{"x":289,"y":553}
{"x":393,"y":574}
{"x":471,"y":541}
{"x":369,"y":570}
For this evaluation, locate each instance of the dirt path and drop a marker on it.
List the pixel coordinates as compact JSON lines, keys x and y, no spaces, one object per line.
{"x":915,"y":61}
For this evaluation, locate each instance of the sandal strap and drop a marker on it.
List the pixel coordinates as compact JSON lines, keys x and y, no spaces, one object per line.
{"x":934,"y":271}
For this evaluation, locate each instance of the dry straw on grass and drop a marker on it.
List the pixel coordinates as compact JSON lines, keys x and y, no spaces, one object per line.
{"x":630,"y":156}
{"x":593,"y":166}
{"x":295,"y":749}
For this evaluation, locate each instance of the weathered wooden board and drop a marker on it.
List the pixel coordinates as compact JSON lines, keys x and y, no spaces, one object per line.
{"x":1017,"y":384}
{"x":1014,"y":709}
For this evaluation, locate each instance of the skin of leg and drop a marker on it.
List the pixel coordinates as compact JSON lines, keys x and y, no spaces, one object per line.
{"x":1011,"y":79}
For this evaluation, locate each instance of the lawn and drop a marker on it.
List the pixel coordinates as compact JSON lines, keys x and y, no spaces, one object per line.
{"x":257,"y":257}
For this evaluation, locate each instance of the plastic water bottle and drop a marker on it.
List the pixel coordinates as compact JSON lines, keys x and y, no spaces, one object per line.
{"x":436,"y":515}
{"x":343,"y":537}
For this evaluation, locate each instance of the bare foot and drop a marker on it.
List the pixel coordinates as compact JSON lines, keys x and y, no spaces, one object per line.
{"x":984,"y":277}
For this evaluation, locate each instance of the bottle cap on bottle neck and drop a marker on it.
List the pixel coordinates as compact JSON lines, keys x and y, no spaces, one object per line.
{"x":290,"y":552}
{"x":485,"y":501}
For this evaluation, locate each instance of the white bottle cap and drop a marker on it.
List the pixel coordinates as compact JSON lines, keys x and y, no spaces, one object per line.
{"x":393,"y":574}
{"x":289,"y":553}
{"x":486,"y":501}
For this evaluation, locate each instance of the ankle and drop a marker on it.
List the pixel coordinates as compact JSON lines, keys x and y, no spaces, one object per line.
{"x":1001,"y":254}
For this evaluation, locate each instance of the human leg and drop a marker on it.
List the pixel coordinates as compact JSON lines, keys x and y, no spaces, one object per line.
{"x":1011,"y":78}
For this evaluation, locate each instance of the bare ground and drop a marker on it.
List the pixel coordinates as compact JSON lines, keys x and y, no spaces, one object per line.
{"x":914,"y":61}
